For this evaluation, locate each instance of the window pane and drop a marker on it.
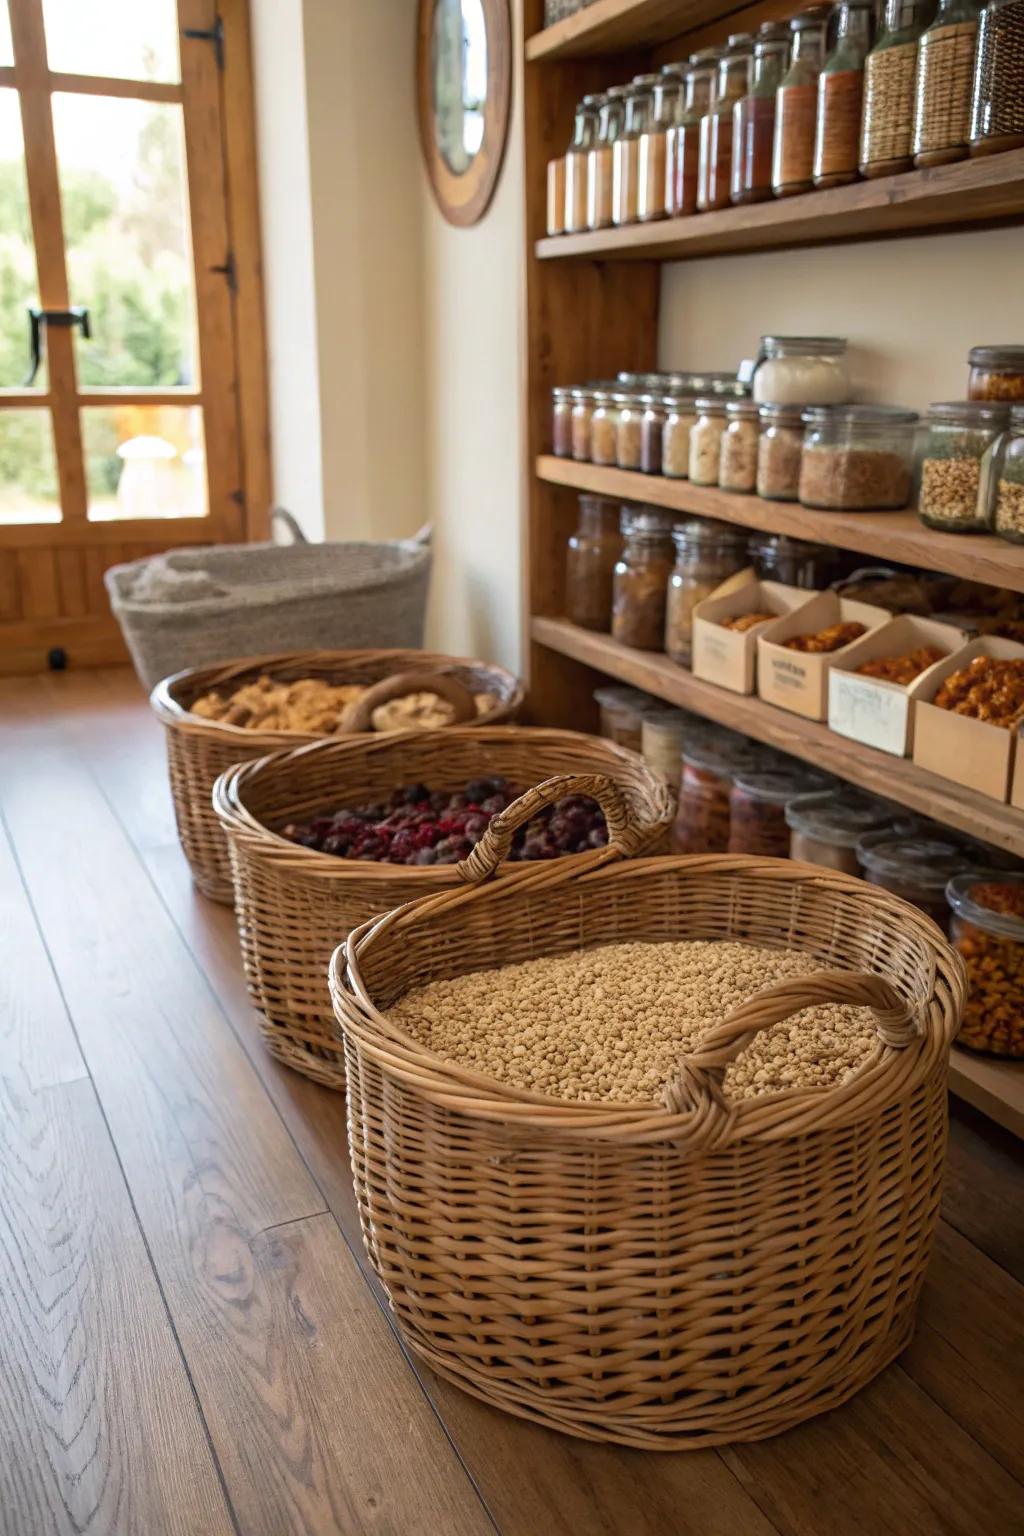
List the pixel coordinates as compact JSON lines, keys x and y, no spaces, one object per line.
{"x":29,"y":491}
{"x":144,"y":461}
{"x":6,"y":46}
{"x":122,"y":177}
{"x":17,"y":254}
{"x":123,"y":39}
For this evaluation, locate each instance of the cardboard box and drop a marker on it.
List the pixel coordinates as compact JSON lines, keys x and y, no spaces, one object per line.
{"x":724,"y":656}
{"x":970,"y":752}
{"x":871,"y":710}
{"x":797,"y":681}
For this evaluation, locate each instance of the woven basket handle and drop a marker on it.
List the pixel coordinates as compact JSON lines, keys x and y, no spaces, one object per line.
{"x":496,"y":843}
{"x":699,"y":1086}
{"x":359,"y":716}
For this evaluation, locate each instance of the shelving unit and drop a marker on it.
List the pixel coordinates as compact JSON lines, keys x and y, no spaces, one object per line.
{"x":591,"y":307}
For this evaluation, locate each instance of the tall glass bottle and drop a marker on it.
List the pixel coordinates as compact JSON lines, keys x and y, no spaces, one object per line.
{"x":599,"y":160}
{"x":753,"y":124}
{"x":796,"y":105}
{"x":945,"y":74}
{"x":626,"y":151}
{"x":715,"y":169}
{"x":665,"y":98}
{"x":584,"y":133}
{"x":890,"y":75}
{"x":841,"y":95}
{"x":684,"y":139}
{"x":997,"y":100}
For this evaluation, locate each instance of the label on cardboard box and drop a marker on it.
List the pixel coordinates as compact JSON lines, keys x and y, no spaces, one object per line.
{"x":859,"y":708}
{"x":788,"y":674}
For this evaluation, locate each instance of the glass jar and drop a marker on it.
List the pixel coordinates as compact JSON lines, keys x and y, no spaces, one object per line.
{"x":1007,"y":494}
{"x":710,"y":762}
{"x":796,"y":105}
{"x":706,"y":555}
{"x":997,"y":373}
{"x":801,"y":370}
{"x":622,"y":714}
{"x":916,"y":868}
{"x":641,"y":580}
{"x":780,"y":448}
{"x":706,"y":439}
{"x":684,"y":139}
{"x":793,"y":562}
{"x":610,"y":122}
{"x":661,"y":743}
{"x":590,"y":560}
{"x":753,"y":124}
{"x":626,"y":151}
{"x":680,"y":419}
{"x":826,"y":826}
{"x":666,"y":95}
{"x":737,"y":462}
{"x":997,"y":100}
{"x":857,"y":458}
{"x":714,"y":172}
{"x":582,"y":417}
{"x":652,"y":428}
{"x":987,"y":928}
{"x":955,"y":447}
{"x":841,"y":94}
{"x":890,"y":76}
{"x":584,"y":134}
{"x":561,"y":423}
{"x":757,"y":809}
{"x":945,"y":74}
{"x":555,"y":224}
{"x":628,"y":427}
{"x":603,"y":427}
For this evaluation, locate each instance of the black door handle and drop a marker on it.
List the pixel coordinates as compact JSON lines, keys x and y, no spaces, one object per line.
{"x":37,"y":318}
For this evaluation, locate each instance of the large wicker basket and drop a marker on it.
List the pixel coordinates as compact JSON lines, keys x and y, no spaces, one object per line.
{"x":666,"y":1275}
{"x":294,"y":904}
{"x":199,"y":750}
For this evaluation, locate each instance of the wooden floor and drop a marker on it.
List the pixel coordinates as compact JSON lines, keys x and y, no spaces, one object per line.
{"x":189,"y":1339}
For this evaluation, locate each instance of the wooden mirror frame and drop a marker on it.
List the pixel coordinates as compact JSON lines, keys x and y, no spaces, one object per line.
{"x":464,"y":199}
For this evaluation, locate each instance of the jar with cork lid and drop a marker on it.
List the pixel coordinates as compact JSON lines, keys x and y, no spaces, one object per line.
{"x":890,"y":78}
{"x":753,"y":132}
{"x":610,"y":123}
{"x":666,"y":96}
{"x":945,"y":75}
{"x":584,"y":134}
{"x":714,"y":172}
{"x":997,"y":97}
{"x":684,"y":139}
{"x":641,"y":578}
{"x":841,"y":96}
{"x":796,"y":105}
{"x":626,"y":150}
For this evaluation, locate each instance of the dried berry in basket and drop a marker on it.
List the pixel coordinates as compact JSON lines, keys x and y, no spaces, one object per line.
{"x":417,"y":825}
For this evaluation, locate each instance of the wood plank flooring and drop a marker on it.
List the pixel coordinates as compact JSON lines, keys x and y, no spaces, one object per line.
{"x":190,"y":1338}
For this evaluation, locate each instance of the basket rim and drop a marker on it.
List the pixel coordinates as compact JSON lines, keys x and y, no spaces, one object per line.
{"x":888,"y":1075}
{"x":171,"y":712}
{"x":242,"y":825}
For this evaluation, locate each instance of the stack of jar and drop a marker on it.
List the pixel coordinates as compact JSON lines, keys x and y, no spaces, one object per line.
{"x":637,"y":421}
{"x":777,"y":113}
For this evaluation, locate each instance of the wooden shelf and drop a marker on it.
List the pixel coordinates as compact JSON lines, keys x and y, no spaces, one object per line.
{"x":897,"y":536}
{"x":995,"y":1087}
{"x":990,"y":188}
{"x":620,"y":26}
{"x":894,"y":777}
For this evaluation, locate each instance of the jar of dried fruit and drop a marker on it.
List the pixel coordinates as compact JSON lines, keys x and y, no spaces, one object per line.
{"x":680,"y":419}
{"x":603,"y":427}
{"x":714,"y":174}
{"x":757,"y":809}
{"x":1007,"y":481}
{"x":590,"y":561}
{"x":796,"y":105}
{"x":737,"y":462}
{"x":988,"y":930}
{"x":955,"y":450}
{"x":711,"y":760}
{"x":706,"y":439}
{"x":945,"y":74}
{"x":626,"y":150}
{"x":997,"y":100}
{"x":857,"y":457}
{"x":684,"y":139}
{"x":706,"y":554}
{"x":584,"y":134}
{"x":780,"y":448}
{"x":666,"y":96}
{"x":890,"y":77}
{"x":610,"y":123}
{"x":996,"y":373}
{"x":641,"y":580}
{"x":753,"y":131}
{"x":841,"y":94}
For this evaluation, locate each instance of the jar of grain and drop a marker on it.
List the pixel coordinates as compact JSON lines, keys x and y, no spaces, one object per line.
{"x":793,"y":562}
{"x":680,"y":419}
{"x":714,"y":172}
{"x":779,"y":451}
{"x":945,"y":75}
{"x":561,"y":423}
{"x":1007,"y":481}
{"x":753,"y":130}
{"x":840,"y":96}
{"x":584,"y":134}
{"x":641,"y":580}
{"x":997,"y":373}
{"x":662,"y":735}
{"x":917,"y":868}
{"x":622,"y":713}
{"x":666,"y":96}
{"x":684,"y":140}
{"x":556,"y":196}
{"x":955,"y":450}
{"x":997,"y":97}
{"x":583,"y":403}
{"x":626,"y":150}
{"x":610,"y":123}
{"x":890,"y":77}
{"x":857,"y":458}
{"x":604,"y":427}
{"x":826,"y":826}
{"x":590,"y":560}
{"x":706,"y":440}
{"x":987,"y":928}
{"x":652,"y":428}
{"x":707,"y":554}
{"x":710,"y":762}
{"x":628,"y":429}
{"x":757,"y":809}
{"x":801,"y":370}
{"x":737,"y":463}
{"x":796,"y":105}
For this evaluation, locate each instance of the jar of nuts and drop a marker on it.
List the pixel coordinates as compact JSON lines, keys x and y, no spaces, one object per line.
{"x":780,"y":448}
{"x":641,"y":580}
{"x":706,"y":439}
{"x":955,"y":450}
{"x":988,"y":930}
{"x":737,"y":462}
{"x":590,"y":560}
{"x":711,"y":760}
{"x":706,"y":554}
{"x":1007,"y":481}
{"x":857,"y":458}
{"x":680,"y":419}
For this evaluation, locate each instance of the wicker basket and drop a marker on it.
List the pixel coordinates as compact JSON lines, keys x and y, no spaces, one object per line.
{"x":667,"y":1275}
{"x":199,"y":750}
{"x":294,"y":904}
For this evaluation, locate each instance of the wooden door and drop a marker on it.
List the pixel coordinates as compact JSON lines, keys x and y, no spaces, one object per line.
{"x":117,"y":199}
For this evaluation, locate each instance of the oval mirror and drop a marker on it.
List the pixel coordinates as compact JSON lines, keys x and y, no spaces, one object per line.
{"x":464,"y":89}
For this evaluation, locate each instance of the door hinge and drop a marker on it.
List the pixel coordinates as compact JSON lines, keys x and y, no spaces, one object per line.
{"x":214,"y":35}
{"x":228,"y":269}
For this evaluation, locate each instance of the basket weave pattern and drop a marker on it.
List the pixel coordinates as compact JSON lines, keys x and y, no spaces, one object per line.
{"x":199,"y":750}
{"x":294,"y":904}
{"x":671,"y":1275}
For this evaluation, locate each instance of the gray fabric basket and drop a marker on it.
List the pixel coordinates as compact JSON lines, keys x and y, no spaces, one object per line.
{"x":192,"y":607}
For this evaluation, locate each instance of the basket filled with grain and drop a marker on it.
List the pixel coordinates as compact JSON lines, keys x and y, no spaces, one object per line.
{"x":328,"y":835}
{"x":218,"y":715}
{"x":651,"y":1152}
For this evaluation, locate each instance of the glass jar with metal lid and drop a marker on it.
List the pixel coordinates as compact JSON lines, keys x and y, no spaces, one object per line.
{"x":641,"y":579}
{"x":997,"y":373}
{"x":857,"y":458}
{"x":890,"y":78}
{"x":1007,"y":481}
{"x":706,"y":439}
{"x":707,"y":553}
{"x":684,"y":139}
{"x":680,"y":419}
{"x":780,"y":448}
{"x":987,"y":929}
{"x":997,"y":100}
{"x":801,"y":370}
{"x":945,"y":75}
{"x":737,"y":463}
{"x":955,"y":449}
{"x":916,"y":867}
{"x":714,"y":173}
{"x":711,"y":760}
{"x":794,"y":562}
{"x":583,"y":404}
{"x":561,"y":422}
{"x":666,"y":96}
{"x":826,"y":826}
{"x":590,"y":559}
{"x":626,"y":150}
{"x":757,"y":808}
{"x":796,"y":105}
{"x":604,"y":426}
{"x":628,"y":421}
{"x":610,"y":123}
{"x":841,"y":96}
{"x":753,"y":132}
{"x":584,"y":135}
{"x":652,"y":427}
